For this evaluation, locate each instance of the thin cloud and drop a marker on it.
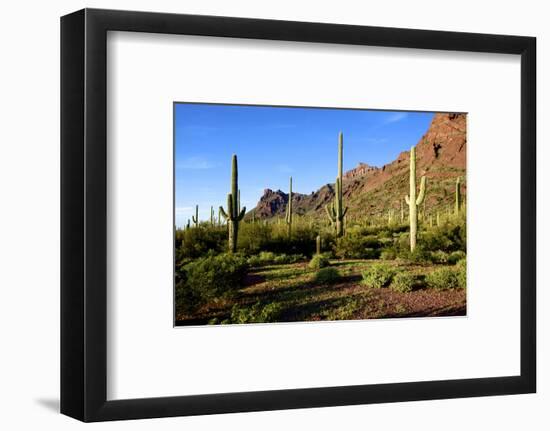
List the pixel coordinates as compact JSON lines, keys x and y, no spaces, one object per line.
{"x":195,"y":163}
{"x":395,"y":117}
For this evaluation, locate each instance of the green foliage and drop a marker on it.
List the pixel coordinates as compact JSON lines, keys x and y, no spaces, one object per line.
{"x":209,"y":278}
{"x":261,"y":259}
{"x":253,"y":237}
{"x":378,"y":275}
{"x":456,"y":256}
{"x":442,"y":278}
{"x":199,"y":241}
{"x":288,"y":258}
{"x":318,"y":261}
{"x":439,"y":256}
{"x":256,"y":313}
{"x":460,"y":268}
{"x":449,"y":237}
{"x":403,"y":282}
{"x":327,"y":275}
{"x":270,"y":258}
{"x":354,"y":245}
{"x":388,"y":254}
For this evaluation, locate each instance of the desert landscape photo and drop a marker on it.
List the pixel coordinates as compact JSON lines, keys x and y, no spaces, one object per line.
{"x":289,"y":214}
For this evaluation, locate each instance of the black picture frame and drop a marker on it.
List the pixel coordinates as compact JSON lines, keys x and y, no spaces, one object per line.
{"x":84,"y":214}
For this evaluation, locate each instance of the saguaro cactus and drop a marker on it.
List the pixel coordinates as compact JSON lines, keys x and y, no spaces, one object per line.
{"x":195,"y":218}
{"x":336,"y":211}
{"x":402,"y":211}
{"x":458,"y":197}
{"x":318,"y":244}
{"x":188,"y":226}
{"x":212,"y":215}
{"x":412,"y":200}
{"x":234,"y":214}
{"x":288,"y":217}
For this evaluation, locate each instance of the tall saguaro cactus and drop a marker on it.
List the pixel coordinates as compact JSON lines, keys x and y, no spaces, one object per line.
{"x":336,"y":211}
{"x":412,"y":200}
{"x":458,"y":197}
{"x":212,"y":215}
{"x":234,"y":214}
{"x":288,"y":217}
{"x":195,"y":218}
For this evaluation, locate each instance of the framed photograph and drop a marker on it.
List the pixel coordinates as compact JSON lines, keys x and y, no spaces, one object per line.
{"x":261,"y":215}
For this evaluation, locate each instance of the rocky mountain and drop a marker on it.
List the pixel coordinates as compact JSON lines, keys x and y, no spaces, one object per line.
{"x":371,"y":191}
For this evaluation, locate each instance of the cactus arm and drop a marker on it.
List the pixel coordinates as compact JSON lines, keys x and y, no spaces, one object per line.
{"x":329,"y":213}
{"x":422,"y":193}
{"x":345,"y":212}
{"x":407,"y":200}
{"x":223,"y":214}
{"x":241,"y":214}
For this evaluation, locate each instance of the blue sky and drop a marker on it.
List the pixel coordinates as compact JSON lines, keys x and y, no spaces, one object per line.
{"x":274,"y":143}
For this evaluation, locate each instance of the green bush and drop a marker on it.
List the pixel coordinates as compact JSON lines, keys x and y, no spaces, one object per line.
{"x":461,"y":273}
{"x":327,"y":275}
{"x":388,"y":254}
{"x":378,"y":275}
{"x":256,"y":313}
{"x":419,"y":255}
{"x":253,"y":237}
{"x":403,"y":282}
{"x":455,"y":256}
{"x":318,"y":261}
{"x":198,"y":241}
{"x":357,"y":246}
{"x":208,"y":279}
{"x":442,"y":279}
{"x":288,"y":258}
{"x":263,"y":258}
{"x":270,"y":258}
{"x":439,"y":256}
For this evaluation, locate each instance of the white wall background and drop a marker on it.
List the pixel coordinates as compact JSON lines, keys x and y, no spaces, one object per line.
{"x":29,"y":219}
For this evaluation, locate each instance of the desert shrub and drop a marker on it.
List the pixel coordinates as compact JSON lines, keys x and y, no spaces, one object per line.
{"x":327,"y":275}
{"x":301,"y":242}
{"x":419,"y":255}
{"x":269,"y":258}
{"x":253,"y":237}
{"x":439,"y":256}
{"x":288,"y":258}
{"x":198,"y":241}
{"x":256,"y":313}
{"x":378,"y":275}
{"x":442,"y":279}
{"x":456,"y":256}
{"x":403,"y":282}
{"x":262,"y":258}
{"x":388,"y":254}
{"x":461,"y":273}
{"x":318,"y":261}
{"x":449,"y":237}
{"x":357,"y":246}
{"x":209,"y":278}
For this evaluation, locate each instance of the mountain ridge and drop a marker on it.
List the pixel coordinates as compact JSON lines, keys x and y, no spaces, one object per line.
{"x":372,"y":191}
